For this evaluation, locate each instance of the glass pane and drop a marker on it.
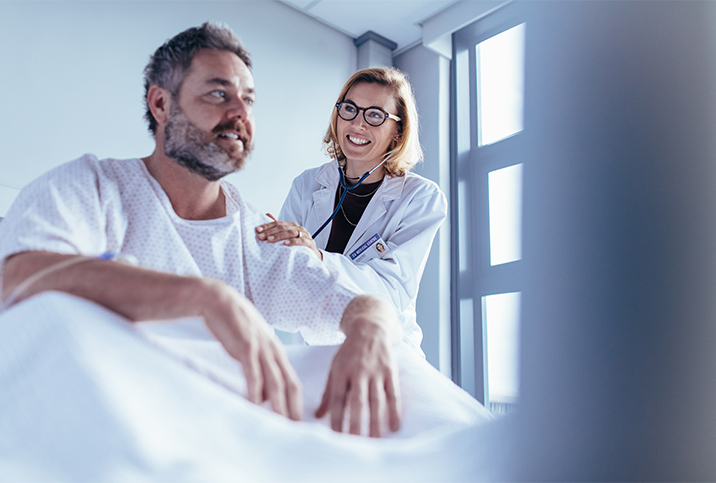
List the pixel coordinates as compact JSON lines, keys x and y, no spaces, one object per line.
{"x":467,"y":346}
{"x":462,"y":87}
{"x":501,"y":314}
{"x":505,"y":211}
{"x":500,"y":85}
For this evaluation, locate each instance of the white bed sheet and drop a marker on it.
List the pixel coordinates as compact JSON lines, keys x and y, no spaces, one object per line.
{"x":87,"y":396}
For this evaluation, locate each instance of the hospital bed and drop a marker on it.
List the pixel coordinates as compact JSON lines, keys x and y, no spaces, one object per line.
{"x":87,"y":396}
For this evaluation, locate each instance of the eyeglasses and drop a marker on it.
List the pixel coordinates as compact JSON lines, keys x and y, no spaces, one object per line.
{"x":375,"y":116}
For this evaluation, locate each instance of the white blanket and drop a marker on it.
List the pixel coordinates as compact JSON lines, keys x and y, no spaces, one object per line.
{"x":87,"y":396}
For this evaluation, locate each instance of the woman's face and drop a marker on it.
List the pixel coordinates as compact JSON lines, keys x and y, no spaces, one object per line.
{"x":362,"y":144}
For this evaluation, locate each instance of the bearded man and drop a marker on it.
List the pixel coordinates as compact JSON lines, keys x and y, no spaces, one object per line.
{"x":191,"y":238}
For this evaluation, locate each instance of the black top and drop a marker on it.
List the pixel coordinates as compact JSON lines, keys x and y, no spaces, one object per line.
{"x":350,"y":213}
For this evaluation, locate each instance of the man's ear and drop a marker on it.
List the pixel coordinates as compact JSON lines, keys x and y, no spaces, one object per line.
{"x":159,"y":102}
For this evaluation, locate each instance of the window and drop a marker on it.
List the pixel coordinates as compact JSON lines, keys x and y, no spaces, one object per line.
{"x":501,"y":333}
{"x":486,"y":174}
{"x":499,"y":61}
{"x":504,"y":187}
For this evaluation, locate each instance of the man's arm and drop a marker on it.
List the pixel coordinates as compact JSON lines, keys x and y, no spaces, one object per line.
{"x":141,"y":294}
{"x":364,"y":371}
{"x":410,"y":238}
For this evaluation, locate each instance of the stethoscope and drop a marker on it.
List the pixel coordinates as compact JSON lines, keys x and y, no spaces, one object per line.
{"x":346,"y":188}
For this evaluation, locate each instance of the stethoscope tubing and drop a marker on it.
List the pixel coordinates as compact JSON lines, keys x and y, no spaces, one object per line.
{"x":346,"y":189}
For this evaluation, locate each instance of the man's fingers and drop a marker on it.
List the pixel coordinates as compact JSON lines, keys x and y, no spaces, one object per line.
{"x":247,"y":338}
{"x":254,"y":378}
{"x":294,"y":396}
{"x":337,"y":404}
{"x":357,"y":397}
{"x":282,"y":385}
{"x":376,"y":399}
{"x":271,"y":216}
{"x":274,"y":386}
{"x":325,"y":399}
{"x":295,"y":399}
{"x":392,"y":399}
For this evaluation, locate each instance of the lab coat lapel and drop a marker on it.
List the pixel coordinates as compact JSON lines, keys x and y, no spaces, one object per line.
{"x":323,"y":201}
{"x":390,"y":190}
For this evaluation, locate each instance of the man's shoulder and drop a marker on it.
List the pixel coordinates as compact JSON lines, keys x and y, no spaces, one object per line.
{"x":88,"y":174}
{"x":248,"y":212}
{"x":69,"y":173}
{"x":90,"y":163}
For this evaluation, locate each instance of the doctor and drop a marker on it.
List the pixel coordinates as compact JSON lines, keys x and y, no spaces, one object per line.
{"x":365,"y":213}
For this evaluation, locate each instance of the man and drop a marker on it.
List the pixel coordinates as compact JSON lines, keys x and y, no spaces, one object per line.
{"x":192,"y":237}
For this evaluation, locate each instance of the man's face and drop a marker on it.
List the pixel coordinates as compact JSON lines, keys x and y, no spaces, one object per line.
{"x":211,"y":122}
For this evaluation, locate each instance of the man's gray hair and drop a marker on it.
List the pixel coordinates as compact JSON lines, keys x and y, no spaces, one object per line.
{"x":169,"y":65}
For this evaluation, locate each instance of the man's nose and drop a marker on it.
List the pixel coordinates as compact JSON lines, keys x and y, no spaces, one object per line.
{"x":238,"y":109}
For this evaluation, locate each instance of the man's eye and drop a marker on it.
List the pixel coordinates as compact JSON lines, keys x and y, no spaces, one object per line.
{"x":249,"y":101}
{"x":218,"y":94}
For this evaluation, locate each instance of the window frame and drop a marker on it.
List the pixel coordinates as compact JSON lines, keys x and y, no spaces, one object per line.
{"x":471,"y":163}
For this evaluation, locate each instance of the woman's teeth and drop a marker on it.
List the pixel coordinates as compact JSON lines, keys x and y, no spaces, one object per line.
{"x":358,"y":140}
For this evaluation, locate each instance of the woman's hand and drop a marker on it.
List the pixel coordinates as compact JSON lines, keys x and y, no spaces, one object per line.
{"x":289,"y":232}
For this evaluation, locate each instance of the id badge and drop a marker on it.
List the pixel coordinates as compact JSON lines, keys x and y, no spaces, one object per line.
{"x":373,"y":247}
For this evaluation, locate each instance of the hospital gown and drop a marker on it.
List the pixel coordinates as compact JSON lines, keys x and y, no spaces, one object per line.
{"x":92,"y":207}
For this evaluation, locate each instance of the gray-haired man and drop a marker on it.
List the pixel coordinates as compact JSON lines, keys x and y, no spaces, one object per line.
{"x":193,"y":238}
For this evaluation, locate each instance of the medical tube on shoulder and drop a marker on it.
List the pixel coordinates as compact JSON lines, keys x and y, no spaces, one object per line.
{"x":20,"y":289}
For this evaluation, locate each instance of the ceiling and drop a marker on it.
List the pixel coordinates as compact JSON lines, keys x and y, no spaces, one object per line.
{"x":396,"y":20}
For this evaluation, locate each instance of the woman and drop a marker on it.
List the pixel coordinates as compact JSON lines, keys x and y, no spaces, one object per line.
{"x":380,"y":235}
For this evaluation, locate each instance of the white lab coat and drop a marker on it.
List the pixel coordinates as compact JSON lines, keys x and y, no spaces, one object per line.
{"x":405,"y":213}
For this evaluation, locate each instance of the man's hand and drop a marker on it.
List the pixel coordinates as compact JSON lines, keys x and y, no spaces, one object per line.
{"x":140,"y":294}
{"x":364,"y":372}
{"x":247,"y":337}
{"x":289,"y":232}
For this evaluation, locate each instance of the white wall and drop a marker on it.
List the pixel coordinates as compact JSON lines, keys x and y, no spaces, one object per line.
{"x":72,"y":83}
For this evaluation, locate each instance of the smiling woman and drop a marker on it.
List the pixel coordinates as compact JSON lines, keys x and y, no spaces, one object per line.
{"x":380,"y":219}
{"x":365,"y":141}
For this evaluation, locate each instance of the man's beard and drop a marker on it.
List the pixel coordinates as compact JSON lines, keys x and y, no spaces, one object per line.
{"x":185,"y":143}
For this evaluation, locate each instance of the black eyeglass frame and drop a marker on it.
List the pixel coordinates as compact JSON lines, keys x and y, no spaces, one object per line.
{"x":386,"y":115}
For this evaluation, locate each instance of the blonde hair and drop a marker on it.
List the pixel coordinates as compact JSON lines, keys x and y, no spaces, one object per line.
{"x":405,"y":152}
